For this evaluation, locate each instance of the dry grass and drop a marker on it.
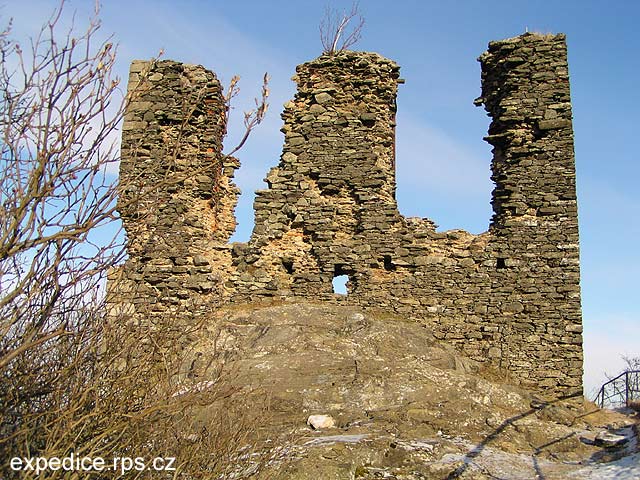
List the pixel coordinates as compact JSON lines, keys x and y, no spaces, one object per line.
{"x":123,"y":393}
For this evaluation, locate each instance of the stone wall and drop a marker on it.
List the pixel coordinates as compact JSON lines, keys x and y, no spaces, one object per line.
{"x":525,"y":89}
{"x":176,"y":195}
{"x":508,"y":298}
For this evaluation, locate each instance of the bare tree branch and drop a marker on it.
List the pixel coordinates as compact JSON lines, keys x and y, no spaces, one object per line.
{"x":252,"y":118}
{"x":335,"y":34}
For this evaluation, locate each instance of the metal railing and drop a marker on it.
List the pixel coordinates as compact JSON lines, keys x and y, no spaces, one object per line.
{"x":620,"y":391}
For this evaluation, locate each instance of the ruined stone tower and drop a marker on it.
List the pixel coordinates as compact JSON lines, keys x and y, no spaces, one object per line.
{"x":508,"y":298}
{"x":176,"y":197}
{"x":333,"y":193}
{"x":525,"y":89}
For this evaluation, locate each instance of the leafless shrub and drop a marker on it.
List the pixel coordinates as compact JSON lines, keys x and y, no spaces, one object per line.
{"x":72,"y":377}
{"x":55,"y":193}
{"x":631,"y":363}
{"x":336,"y":33}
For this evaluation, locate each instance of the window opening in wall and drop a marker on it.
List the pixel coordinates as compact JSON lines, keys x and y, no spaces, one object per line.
{"x":501,"y":263}
{"x":388,"y":263}
{"x":287,"y":263}
{"x":340,"y":284}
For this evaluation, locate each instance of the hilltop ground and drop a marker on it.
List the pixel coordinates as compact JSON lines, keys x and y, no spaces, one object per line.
{"x":405,"y":407}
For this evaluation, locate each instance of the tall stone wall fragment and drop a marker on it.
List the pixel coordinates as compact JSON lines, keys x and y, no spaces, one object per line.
{"x":177,"y":198}
{"x":331,"y":203}
{"x":525,"y":90}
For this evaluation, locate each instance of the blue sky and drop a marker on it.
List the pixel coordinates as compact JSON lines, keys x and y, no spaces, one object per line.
{"x":443,"y":164}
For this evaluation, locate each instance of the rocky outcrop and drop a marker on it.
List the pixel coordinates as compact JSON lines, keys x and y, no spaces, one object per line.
{"x":403,"y":406}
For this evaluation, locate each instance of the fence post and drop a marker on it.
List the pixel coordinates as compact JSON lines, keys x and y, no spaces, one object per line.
{"x":626,"y":387}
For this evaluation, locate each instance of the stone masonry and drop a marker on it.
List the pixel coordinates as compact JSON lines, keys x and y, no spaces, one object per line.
{"x":176,"y":197}
{"x":508,"y":298}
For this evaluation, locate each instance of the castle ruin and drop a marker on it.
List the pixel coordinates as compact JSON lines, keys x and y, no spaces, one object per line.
{"x":508,"y":298}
